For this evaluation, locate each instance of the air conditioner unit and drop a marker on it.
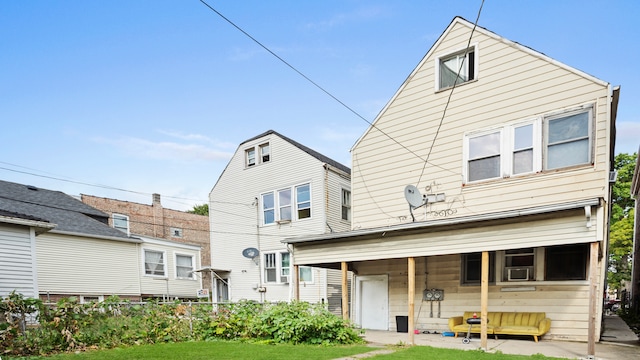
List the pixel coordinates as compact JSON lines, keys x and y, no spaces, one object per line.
{"x":517,"y":274}
{"x":284,"y":279}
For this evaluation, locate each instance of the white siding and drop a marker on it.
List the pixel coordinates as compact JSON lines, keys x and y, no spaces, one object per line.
{"x":236,"y":218}
{"x":78,"y":265}
{"x":17,"y":267}
{"x":177,"y":287}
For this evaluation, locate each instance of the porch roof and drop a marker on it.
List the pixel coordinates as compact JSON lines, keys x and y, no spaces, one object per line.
{"x":405,"y":229}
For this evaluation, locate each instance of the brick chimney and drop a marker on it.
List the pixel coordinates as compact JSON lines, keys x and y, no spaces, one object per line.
{"x":158,"y":217}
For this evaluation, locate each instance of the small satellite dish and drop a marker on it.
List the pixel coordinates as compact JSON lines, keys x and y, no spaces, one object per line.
{"x":413,"y":196}
{"x":250,"y":253}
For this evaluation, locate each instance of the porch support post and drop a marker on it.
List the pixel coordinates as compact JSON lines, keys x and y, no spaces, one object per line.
{"x":484,"y":299}
{"x":411,"y":294}
{"x":594,"y":297}
{"x":345,"y":292}
{"x":295,"y":280}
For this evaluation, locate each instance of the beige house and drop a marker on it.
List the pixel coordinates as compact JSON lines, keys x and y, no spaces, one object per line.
{"x":489,"y":157}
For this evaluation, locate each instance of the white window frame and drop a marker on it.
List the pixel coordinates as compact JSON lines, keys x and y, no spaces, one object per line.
{"x":293,"y":206}
{"x":439,"y":61}
{"x":270,"y":263}
{"x":257,"y":154}
{"x":121,"y":217}
{"x":250,"y":157}
{"x":193,"y":266}
{"x":311,"y":274}
{"x":264,"y":151}
{"x":164,"y":263}
{"x":539,"y":146}
{"x":589,"y":109}
{"x":536,"y":275}
{"x":345,"y":208}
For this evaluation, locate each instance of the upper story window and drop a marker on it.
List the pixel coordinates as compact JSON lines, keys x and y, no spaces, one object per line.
{"x":250,"y":155}
{"x":184,"y":266}
{"x":278,"y":206}
{"x":568,"y":139}
{"x":263,"y":152}
{"x":154,"y":263}
{"x":346,"y":205}
{"x":121,"y":222}
{"x":456,"y":68}
{"x":517,"y":148}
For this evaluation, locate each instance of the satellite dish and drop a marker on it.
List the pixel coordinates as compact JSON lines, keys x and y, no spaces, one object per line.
{"x":250,"y":253}
{"x":413,"y":196}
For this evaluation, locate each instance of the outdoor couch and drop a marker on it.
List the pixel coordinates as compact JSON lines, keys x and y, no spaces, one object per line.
{"x":504,"y":323}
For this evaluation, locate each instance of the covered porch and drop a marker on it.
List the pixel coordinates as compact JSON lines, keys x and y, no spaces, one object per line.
{"x":397,"y":268}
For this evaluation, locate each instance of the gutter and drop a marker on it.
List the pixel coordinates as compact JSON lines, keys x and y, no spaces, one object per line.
{"x":400,"y":229}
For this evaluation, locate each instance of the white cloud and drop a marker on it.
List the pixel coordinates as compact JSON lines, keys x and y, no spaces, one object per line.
{"x":165,"y":150}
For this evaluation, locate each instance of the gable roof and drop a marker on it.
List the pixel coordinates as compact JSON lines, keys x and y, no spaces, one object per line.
{"x":69,"y":215}
{"x":307,"y":150}
{"x":462,"y":21}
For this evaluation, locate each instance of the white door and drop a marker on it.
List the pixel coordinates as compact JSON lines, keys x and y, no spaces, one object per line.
{"x":372,"y":294}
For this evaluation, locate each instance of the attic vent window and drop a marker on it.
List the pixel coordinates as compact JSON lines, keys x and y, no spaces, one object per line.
{"x":457,"y":68}
{"x":176,"y":232}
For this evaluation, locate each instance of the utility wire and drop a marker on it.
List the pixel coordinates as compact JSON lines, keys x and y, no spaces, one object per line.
{"x":308,"y":79}
{"x":466,"y":52}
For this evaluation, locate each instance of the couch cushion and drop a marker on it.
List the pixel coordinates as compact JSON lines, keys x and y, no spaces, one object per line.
{"x":522,"y":319}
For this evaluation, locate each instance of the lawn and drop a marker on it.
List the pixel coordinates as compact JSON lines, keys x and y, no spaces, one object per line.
{"x":240,"y":350}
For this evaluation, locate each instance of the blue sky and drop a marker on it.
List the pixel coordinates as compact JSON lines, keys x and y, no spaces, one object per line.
{"x":97,"y":97}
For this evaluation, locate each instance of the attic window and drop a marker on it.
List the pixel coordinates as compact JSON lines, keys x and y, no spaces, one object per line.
{"x":265,"y":153}
{"x":250,"y":155}
{"x":456,"y":68}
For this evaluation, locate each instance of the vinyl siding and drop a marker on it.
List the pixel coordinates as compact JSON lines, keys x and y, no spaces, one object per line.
{"x":157,"y":286}
{"x":382,"y":168}
{"x":565,"y":304}
{"x":18,"y":264}
{"x":78,"y":265}
{"x":561,"y":228}
{"x":236,"y":217}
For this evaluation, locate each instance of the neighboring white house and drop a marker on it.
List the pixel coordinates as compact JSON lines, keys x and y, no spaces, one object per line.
{"x":54,"y":246}
{"x":512,"y":152}
{"x":274,"y":188}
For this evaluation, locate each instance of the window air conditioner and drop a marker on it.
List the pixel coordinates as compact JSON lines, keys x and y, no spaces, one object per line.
{"x":284,"y":279}
{"x":517,"y":274}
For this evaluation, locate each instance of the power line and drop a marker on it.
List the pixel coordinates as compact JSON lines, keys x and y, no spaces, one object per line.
{"x":444,"y":112}
{"x":308,"y":79}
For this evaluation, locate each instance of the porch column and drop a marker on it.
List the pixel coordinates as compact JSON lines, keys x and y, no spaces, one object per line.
{"x":594,"y":296}
{"x":295,"y":280}
{"x":345,"y":292}
{"x":411,"y":272}
{"x":484,"y":299}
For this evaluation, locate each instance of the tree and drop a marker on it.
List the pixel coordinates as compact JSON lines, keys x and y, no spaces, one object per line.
{"x":622,"y":215}
{"x":200,"y":210}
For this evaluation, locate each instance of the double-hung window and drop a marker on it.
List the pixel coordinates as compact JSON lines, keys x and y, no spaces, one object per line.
{"x":456,"y":68}
{"x":517,"y":148}
{"x":346,"y":205}
{"x":568,"y":139}
{"x":184,"y":266}
{"x":277,"y":267}
{"x":484,"y":156}
{"x":303,"y":201}
{"x":154,"y":263}
{"x":257,"y":155}
{"x":270,"y":267}
{"x":286,"y":205}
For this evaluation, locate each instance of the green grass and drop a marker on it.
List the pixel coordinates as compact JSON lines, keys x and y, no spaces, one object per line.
{"x":241,"y":350}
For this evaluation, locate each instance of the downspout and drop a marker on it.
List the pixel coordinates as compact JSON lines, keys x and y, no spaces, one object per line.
{"x":260,"y":282}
